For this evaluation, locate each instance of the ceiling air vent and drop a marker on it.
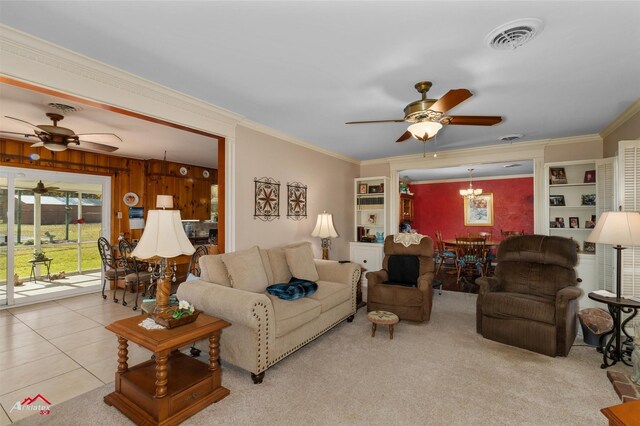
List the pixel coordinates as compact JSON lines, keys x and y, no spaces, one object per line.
{"x":514,"y":34}
{"x":511,"y":138}
{"x":64,"y":108}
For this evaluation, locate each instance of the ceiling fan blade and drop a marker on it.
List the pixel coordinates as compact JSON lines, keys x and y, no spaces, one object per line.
{"x":94,"y":146}
{"x":451,"y":99}
{"x":472,"y":120}
{"x":406,"y":135}
{"x":38,"y":145}
{"x":99,"y":137}
{"x":375,"y":121}
{"x":26,"y":135}
{"x":23,"y":122}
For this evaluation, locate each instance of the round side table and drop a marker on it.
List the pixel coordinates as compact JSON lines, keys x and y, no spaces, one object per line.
{"x":383,"y":318}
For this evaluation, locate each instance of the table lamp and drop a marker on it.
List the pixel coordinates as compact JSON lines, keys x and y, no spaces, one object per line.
{"x":325,"y":230}
{"x":163,"y":237}
{"x":621,"y":229}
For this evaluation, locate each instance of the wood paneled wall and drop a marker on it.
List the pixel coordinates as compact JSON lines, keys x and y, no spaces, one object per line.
{"x":191,"y":192}
{"x":147,"y":178}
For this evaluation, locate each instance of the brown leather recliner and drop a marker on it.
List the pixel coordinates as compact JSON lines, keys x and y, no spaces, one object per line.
{"x":410,"y":301}
{"x":532,"y":300}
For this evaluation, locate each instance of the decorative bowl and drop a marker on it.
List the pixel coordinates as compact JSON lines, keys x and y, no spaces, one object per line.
{"x":166,"y":318}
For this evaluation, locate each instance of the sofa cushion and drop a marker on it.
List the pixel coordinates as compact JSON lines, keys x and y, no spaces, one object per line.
{"x":518,"y":306}
{"x":330,"y":294}
{"x":301,"y":264}
{"x":290,"y":315}
{"x":293,"y":290}
{"x":246,"y":270}
{"x":264,"y":255}
{"x":278,"y":262}
{"x":213,"y":270}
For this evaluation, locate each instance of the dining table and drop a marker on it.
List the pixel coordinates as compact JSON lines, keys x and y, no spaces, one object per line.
{"x":489,"y":244}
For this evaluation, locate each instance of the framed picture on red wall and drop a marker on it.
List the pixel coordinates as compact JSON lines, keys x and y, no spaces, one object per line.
{"x":478,"y":211}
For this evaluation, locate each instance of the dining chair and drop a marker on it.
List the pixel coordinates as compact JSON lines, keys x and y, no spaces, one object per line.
{"x":445,"y":257}
{"x":486,"y":235}
{"x":113,"y":267}
{"x":471,"y":256}
{"x":137,"y":274}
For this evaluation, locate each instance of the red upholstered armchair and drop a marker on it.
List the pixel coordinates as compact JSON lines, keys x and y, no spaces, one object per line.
{"x":532,"y":300}
{"x":407,"y":290}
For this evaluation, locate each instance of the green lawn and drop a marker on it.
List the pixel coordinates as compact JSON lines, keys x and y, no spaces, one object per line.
{"x":64,"y":254}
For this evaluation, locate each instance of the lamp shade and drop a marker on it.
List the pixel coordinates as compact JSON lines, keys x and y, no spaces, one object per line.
{"x":618,"y":228}
{"x":164,"y":201}
{"x":163,"y":236}
{"x":324,"y":226}
{"x":424,"y":130}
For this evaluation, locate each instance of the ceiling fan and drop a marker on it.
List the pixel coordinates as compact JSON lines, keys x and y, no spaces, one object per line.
{"x":41,"y":189}
{"x":428,"y":115}
{"x":56,"y":138}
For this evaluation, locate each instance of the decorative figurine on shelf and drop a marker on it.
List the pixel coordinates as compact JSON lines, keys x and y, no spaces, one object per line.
{"x":404,"y":185}
{"x":635,"y":356}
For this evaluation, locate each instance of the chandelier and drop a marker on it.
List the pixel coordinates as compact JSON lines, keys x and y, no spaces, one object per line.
{"x":470,"y":192}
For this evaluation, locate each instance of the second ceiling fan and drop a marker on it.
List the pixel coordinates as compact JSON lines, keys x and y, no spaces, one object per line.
{"x":427,"y":116}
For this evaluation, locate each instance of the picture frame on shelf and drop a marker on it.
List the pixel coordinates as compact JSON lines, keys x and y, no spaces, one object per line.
{"x":560,"y":222}
{"x":556,"y":200}
{"x":590,"y":224}
{"x":553,"y":224}
{"x":574,"y":222}
{"x":372,"y":219}
{"x":557,"y":176}
{"x":375,"y":189}
{"x":589,"y":247}
{"x":588,"y":199}
{"x":590,"y":176}
{"x":363,"y":188}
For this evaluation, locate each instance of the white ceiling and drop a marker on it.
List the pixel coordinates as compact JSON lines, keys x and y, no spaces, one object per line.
{"x":305,"y":68}
{"x":462,"y":171}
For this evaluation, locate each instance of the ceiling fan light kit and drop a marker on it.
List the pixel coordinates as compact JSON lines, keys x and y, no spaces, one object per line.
{"x":424,"y":130}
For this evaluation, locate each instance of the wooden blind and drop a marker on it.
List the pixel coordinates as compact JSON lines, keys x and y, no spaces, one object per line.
{"x":605,"y":201}
{"x":629,"y":181}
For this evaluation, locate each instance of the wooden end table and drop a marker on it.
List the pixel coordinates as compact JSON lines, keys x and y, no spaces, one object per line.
{"x":174,"y":386}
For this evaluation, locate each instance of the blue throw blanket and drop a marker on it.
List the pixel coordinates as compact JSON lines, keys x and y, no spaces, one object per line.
{"x":295,"y":289}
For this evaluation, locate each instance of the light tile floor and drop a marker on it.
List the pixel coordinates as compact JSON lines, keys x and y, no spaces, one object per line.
{"x":58,"y":349}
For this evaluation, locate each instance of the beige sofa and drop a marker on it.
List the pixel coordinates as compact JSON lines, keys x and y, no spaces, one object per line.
{"x":265,"y":329}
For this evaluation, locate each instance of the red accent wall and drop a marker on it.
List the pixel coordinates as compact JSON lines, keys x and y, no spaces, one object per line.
{"x":439,"y":207}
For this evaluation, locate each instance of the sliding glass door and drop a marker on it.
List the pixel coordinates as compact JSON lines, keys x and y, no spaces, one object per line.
{"x":56,"y":219}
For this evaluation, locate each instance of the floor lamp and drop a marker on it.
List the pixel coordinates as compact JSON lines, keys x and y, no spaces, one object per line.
{"x":622,"y":229}
{"x":163,"y":237}
{"x":325,"y":230}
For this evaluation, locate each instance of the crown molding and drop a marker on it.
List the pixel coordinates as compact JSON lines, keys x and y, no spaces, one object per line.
{"x":632,"y":110}
{"x":33,"y":60}
{"x":490,"y":149}
{"x":287,"y":138}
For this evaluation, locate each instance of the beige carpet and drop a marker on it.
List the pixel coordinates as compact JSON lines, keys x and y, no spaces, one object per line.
{"x":440,"y":373}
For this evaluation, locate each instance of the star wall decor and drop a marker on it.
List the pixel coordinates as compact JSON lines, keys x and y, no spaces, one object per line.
{"x":296,"y":201}
{"x":267,"y":204}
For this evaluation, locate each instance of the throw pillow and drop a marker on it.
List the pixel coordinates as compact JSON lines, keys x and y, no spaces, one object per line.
{"x":296,"y":289}
{"x":246,"y":270}
{"x":403,"y":270}
{"x":192,"y":277}
{"x":301,"y":263}
{"x":212,"y":269}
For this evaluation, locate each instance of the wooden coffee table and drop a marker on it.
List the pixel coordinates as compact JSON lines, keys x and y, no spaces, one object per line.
{"x":174,"y":386}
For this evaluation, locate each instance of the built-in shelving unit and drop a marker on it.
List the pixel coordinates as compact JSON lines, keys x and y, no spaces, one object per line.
{"x":571,"y":201}
{"x":371,"y":208}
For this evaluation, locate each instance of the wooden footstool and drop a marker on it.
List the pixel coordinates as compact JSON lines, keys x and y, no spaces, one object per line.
{"x":383,"y":318}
